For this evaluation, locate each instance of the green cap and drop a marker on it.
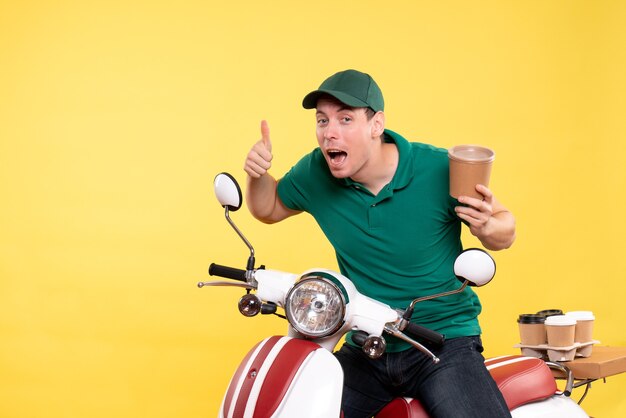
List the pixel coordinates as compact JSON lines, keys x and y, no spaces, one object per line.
{"x":351,"y":87}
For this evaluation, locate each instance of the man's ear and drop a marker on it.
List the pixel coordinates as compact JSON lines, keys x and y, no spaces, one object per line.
{"x":378,"y":124}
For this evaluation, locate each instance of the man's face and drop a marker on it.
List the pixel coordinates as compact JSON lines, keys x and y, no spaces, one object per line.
{"x":346,"y":138}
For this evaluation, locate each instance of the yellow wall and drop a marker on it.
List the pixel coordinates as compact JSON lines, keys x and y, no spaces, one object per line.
{"x":116,"y":115}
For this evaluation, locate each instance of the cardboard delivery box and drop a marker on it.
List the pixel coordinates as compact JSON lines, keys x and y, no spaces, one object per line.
{"x":603,"y":362}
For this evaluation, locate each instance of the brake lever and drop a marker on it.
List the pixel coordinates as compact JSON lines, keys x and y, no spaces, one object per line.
{"x":248,"y":286}
{"x":399,"y":334}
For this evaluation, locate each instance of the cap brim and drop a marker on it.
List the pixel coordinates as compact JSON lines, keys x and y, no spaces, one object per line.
{"x":310,"y":100}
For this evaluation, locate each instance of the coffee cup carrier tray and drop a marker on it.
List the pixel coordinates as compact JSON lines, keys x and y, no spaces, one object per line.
{"x":552,"y":353}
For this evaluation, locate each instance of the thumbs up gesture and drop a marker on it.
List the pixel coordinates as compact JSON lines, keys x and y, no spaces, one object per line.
{"x":259,"y":159}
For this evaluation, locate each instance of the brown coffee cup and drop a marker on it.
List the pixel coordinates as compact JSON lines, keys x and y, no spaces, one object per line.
{"x":550,"y":312}
{"x":584,"y":325}
{"x":469,"y":165}
{"x":531,"y":329}
{"x":560,"y":330}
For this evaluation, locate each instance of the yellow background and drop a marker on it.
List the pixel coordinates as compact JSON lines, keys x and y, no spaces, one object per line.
{"x":116,"y":115}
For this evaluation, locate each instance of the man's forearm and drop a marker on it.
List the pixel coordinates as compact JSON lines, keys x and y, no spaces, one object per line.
{"x":261,"y":196}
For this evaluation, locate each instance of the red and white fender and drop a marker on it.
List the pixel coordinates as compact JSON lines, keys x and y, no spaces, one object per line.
{"x":285,"y":377}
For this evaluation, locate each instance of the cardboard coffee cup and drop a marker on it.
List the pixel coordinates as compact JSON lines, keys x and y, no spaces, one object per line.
{"x":561,"y":330}
{"x":584,"y":325}
{"x":550,"y":312}
{"x":531,"y":329}
{"x":469,"y":165}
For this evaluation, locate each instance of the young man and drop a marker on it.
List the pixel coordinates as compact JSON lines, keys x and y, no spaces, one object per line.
{"x":383,"y":204}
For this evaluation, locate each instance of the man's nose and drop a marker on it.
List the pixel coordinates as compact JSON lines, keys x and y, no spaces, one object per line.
{"x":330,"y":131}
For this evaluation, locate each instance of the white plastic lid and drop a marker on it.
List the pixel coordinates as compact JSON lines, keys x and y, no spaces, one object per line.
{"x":581,"y":315}
{"x":560,"y":320}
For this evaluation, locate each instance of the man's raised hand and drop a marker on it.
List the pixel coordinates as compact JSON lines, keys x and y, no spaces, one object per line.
{"x":259,"y":159}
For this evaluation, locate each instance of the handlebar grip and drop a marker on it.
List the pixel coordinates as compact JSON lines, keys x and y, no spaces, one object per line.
{"x":358,"y":337}
{"x":227,"y":272}
{"x":419,"y":332}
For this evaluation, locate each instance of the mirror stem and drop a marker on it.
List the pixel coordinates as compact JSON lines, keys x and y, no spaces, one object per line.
{"x":251,"y":259}
{"x":409,"y":311}
{"x":251,"y":262}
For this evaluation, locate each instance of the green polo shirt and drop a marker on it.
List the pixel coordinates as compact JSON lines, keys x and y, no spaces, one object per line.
{"x":398,"y":245}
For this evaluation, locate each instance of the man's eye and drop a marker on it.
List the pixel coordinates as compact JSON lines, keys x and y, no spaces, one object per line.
{"x":346,"y":119}
{"x":322,"y":121}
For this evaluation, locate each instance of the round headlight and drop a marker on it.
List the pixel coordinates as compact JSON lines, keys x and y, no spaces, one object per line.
{"x":315,"y":307}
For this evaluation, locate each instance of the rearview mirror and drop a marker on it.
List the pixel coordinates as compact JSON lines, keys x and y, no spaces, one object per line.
{"x":227,"y":191}
{"x":476,"y":266}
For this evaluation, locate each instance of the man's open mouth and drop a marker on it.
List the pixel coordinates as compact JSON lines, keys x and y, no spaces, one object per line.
{"x":337,"y":156}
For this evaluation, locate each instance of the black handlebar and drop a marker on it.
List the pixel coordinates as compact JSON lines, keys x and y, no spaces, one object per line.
{"x":418,"y":332}
{"x":359,"y":337}
{"x":227,"y":272}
